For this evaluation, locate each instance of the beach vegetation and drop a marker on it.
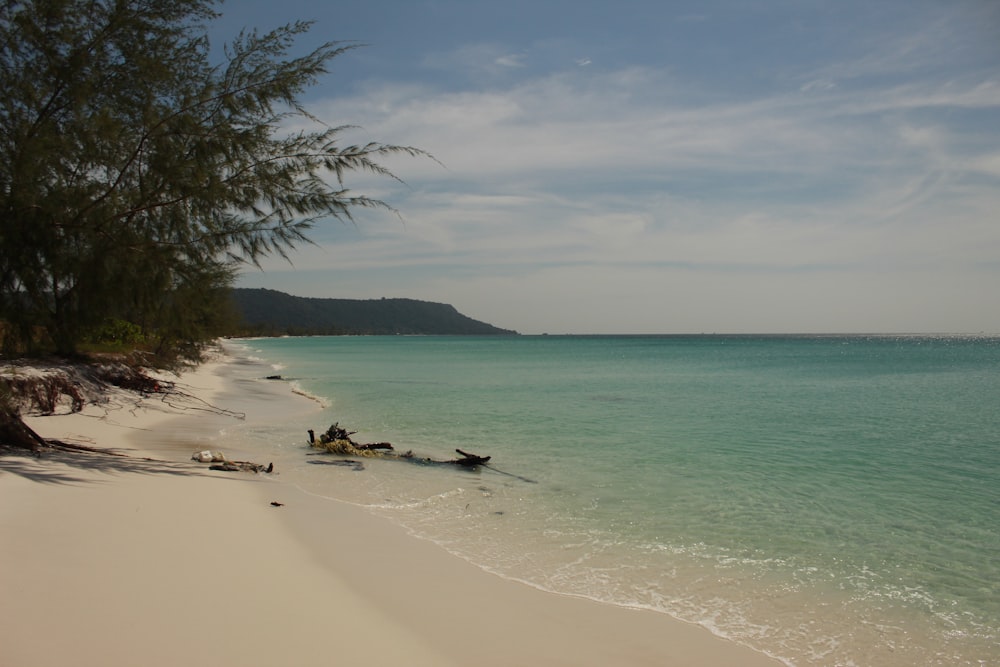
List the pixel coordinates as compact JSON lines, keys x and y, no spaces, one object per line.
{"x":140,"y":168}
{"x":118,"y":333}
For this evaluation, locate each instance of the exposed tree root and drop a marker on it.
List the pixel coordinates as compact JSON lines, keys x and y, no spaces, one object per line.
{"x":47,"y":389}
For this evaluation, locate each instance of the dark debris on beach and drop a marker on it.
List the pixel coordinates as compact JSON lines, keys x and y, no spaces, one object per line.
{"x":337,"y":440}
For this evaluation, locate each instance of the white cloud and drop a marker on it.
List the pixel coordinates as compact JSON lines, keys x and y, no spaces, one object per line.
{"x":629,"y":201}
{"x":817,"y":85}
{"x":511,"y":60}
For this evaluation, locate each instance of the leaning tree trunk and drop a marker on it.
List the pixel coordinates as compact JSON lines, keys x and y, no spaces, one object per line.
{"x":15,"y":433}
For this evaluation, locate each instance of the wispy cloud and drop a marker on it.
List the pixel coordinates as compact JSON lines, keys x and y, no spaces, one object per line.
{"x":511,"y":60}
{"x":864,"y":186}
{"x":558,"y":151}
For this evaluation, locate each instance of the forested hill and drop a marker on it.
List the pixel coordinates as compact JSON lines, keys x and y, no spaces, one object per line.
{"x":268,"y":312}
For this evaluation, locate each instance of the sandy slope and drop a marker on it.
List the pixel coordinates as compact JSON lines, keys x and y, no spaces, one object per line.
{"x":125,"y":561}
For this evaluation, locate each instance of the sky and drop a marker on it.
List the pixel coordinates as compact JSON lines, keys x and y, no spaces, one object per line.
{"x":664,"y":167}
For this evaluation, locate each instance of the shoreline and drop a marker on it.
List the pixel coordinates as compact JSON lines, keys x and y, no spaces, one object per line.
{"x":116,"y":561}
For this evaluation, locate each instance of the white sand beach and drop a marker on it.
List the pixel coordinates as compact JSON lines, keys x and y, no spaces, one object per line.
{"x":153,"y":559}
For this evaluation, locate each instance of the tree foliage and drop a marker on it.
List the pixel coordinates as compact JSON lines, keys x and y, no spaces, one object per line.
{"x":136,"y":173}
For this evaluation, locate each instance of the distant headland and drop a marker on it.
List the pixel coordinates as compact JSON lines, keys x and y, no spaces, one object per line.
{"x":271,"y":313}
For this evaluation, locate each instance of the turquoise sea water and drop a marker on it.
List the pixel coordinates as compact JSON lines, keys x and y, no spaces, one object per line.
{"x":831,"y":500}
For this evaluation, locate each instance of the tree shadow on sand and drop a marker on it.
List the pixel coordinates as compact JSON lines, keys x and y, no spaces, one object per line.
{"x":59,"y":466}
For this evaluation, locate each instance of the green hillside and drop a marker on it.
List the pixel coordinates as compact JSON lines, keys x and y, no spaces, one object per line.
{"x":269,"y":312}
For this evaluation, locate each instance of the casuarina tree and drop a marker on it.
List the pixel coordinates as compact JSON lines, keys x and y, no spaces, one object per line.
{"x":139,"y":168}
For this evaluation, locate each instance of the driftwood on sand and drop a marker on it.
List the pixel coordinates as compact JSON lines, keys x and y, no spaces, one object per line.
{"x":220,"y":462}
{"x":337,"y":440}
{"x":241,"y":466}
{"x":470,"y":460}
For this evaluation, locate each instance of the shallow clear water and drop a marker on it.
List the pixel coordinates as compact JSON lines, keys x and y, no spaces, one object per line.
{"x":832,"y":500}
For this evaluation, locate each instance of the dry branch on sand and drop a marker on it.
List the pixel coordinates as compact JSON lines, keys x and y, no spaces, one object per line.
{"x":220,"y":462}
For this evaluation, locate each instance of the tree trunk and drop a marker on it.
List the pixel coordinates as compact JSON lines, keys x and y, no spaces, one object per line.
{"x":15,"y":433}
